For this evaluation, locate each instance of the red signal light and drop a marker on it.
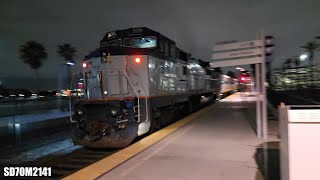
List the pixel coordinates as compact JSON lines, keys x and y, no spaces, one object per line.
{"x":84,"y":65}
{"x":243,"y":78}
{"x":137,"y":60}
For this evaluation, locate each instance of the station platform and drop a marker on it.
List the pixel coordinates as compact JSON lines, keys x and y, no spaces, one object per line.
{"x":23,"y":132}
{"x":218,"y":143}
{"x":27,"y":122}
{"x":34,"y":117}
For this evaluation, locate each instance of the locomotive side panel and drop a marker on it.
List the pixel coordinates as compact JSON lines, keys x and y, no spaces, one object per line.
{"x":167,"y":83}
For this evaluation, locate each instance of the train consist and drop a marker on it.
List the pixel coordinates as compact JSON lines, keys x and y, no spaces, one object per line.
{"x":229,"y":85}
{"x":137,"y":82}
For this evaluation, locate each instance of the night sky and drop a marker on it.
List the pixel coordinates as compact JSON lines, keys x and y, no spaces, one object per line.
{"x":194,"y":25}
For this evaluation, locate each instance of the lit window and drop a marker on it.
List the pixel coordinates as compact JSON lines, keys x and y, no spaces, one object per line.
{"x":140,"y":42}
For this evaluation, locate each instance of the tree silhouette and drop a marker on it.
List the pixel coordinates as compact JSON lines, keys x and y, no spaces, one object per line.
{"x":311,"y":47}
{"x":66,"y":51}
{"x":33,"y":54}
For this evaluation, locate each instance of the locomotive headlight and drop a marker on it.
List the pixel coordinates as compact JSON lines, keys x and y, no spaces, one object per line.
{"x":113,"y":112}
{"x":80,"y":112}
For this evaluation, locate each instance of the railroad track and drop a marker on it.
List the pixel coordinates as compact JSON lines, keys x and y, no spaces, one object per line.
{"x":68,"y":161}
{"x":76,"y":161}
{"x":63,"y":160}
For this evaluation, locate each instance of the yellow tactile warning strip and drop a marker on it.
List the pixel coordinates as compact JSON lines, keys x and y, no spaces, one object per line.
{"x":105,"y":165}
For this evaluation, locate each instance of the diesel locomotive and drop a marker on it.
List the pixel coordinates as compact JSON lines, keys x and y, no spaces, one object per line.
{"x":136,"y":82}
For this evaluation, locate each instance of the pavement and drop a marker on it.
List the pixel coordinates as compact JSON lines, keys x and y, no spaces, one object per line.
{"x":219,"y":144}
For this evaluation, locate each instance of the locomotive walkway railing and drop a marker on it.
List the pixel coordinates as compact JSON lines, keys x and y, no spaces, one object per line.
{"x":135,"y":93}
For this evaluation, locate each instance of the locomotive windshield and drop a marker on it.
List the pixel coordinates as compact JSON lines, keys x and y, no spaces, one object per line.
{"x":140,"y":42}
{"x":112,"y":43}
{"x":116,"y":42}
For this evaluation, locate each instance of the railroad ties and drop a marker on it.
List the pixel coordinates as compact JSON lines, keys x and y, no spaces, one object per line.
{"x":63,"y":165}
{"x":78,"y":160}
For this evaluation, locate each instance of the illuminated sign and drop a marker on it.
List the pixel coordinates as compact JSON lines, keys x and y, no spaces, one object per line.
{"x":238,"y":45}
{"x":237,"y":54}
{"x":304,"y":115}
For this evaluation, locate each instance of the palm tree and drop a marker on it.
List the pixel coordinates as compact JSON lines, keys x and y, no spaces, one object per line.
{"x":33,"y":54}
{"x":311,"y":47}
{"x":66,"y":51}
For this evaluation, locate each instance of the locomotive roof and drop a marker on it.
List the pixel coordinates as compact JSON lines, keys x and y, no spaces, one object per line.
{"x":132,"y":32}
{"x":138,"y":31}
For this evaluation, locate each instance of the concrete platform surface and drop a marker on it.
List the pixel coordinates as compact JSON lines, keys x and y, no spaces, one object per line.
{"x":218,"y":145}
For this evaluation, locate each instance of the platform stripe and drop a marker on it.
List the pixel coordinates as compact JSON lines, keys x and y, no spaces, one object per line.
{"x":105,"y":165}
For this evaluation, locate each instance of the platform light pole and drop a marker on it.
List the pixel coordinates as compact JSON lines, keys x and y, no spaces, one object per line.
{"x":65,"y":72}
{"x":263,"y":87}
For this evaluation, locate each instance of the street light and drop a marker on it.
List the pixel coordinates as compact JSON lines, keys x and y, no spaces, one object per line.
{"x":70,"y":62}
{"x":303,"y":57}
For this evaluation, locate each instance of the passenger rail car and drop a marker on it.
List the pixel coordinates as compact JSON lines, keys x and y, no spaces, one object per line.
{"x":136,"y":82}
{"x":229,"y":85}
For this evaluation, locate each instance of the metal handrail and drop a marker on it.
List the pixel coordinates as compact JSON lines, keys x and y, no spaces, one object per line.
{"x":135,"y":93}
{"x":146,"y":103}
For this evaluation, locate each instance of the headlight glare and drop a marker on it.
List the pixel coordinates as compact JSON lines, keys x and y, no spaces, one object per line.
{"x":113,"y":112}
{"x":80,"y":112}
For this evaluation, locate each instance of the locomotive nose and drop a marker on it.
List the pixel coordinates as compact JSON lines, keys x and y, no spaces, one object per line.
{"x":107,"y":124}
{"x":116,"y":138}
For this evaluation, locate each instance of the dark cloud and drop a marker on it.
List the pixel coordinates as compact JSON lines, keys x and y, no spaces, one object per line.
{"x":194,"y":25}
